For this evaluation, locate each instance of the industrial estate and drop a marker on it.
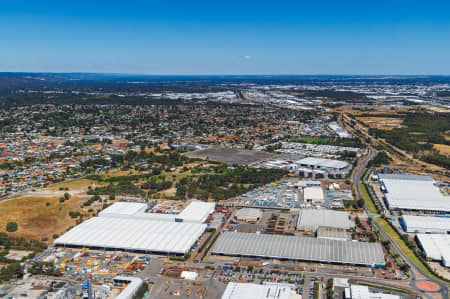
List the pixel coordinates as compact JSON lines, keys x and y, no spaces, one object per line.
{"x":323,"y":187}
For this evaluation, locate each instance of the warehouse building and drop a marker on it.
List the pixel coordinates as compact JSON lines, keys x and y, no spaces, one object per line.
{"x":425,"y":224}
{"x":413,"y":192}
{"x":196,"y":211}
{"x":128,"y":226}
{"x":299,"y":248}
{"x":257,"y":291}
{"x":249,"y":215}
{"x":313,"y":195}
{"x":134,"y":235}
{"x":363,"y":292}
{"x":436,"y":247}
{"x":323,"y":164}
{"x":311,"y":219}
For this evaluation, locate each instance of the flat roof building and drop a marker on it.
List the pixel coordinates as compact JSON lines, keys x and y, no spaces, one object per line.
{"x":128,"y":226}
{"x":324,"y":164}
{"x":313,"y":195}
{"x":436,"y":247}
{"x":258,"y":291}
{"x":413,"y":192}
{"x":139,"y":235}
{"x":425,"y":224}
{"x":311,"y":219}
{"x":249,"y":215}
{"x":363,"y":292}
{"x":196,"y":211}
{"x":299,"y":248}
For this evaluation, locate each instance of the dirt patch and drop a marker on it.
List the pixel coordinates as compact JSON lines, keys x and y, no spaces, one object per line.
{"x":442,"y":148}
{"x":428,"y":286}
{"x":382,"y":123}
{"x":17,"y":254}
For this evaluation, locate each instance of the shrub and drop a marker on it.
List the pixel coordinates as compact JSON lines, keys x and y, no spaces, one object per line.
{"x":11,"y":227}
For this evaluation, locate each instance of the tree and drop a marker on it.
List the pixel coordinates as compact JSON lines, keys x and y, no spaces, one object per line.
{"x":11,"y":227}
{"x":66,"y":196}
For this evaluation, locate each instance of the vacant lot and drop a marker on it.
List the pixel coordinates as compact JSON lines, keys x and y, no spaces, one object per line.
{"x":443,"y":148}
{"x":230,"y":156}
{"x":382,"y":123}
{"x":40,"y":214}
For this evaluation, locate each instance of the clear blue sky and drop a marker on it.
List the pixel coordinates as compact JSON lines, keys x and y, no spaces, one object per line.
{"x":226,"y":37}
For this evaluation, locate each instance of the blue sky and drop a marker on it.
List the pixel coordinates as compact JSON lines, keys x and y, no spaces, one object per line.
{"x":226,"y":37}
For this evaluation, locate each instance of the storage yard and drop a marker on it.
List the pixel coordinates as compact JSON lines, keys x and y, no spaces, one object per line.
{"x":299,"y":248}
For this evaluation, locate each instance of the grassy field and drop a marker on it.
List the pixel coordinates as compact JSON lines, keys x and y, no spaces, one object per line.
{"x":409,"y":253}
{"x":367,"y":200}
{"x":40,"y":214}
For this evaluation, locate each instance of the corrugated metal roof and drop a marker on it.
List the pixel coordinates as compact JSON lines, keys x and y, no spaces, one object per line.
{"x":413,"y":192}
{"x":426,"y":224}
{"x":436,"y":246}
{"x":299,"y":248}
{"x":322,"y":163}
{"x":134,"y":234}
{"x":256,"y":291}
{"x":312,"y":219}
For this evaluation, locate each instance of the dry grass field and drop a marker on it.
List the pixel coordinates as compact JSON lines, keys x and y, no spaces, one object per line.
{"x":383,"y":123}
{"x":39,"y":214}
{"x":443,"y":148}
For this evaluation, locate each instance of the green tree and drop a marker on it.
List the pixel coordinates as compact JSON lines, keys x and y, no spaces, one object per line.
{"x":11,"y":227}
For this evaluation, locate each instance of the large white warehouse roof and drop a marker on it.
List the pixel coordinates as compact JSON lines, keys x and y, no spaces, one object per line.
{"x":299,"y":248}
{"x":322,"y":163}
{"x":257,"y":291}
{"x":145,"y":235}
{"x":413,"y":192}
{"x":196,"y":211}
{"x":436,"y":247}
{"x":311,"y":219}
{"x":426,"y":224}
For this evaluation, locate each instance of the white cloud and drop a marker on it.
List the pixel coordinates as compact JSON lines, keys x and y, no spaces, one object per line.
{"x":247,"y":57}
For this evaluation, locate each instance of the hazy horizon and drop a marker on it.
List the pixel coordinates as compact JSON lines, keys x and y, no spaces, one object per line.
{"x":226,"y":38}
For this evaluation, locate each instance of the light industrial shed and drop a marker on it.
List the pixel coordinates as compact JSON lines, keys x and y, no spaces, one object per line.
{"x":313,"y":195}
{"x":413,"y":192}
{"x":257,"y":291}
{"x":311,"y":219}
{"x":299,"y":248}
{"x":320,"y":163}
{"x":425,"y":224}
{"x":140,"y":235}
{"x":436,"y":247}
{"x":196,"y":211}
{"x":249,"y":215}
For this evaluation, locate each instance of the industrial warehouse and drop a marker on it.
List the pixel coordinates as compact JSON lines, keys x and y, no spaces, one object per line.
{"x":299,"y":248}
{"x":251,"y":290}
{"x":436,"y":247}
{"x":310,"y":219}
{"x":127,"y":226}
{"x":413,"y":192}
{"x":425,"y":224}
